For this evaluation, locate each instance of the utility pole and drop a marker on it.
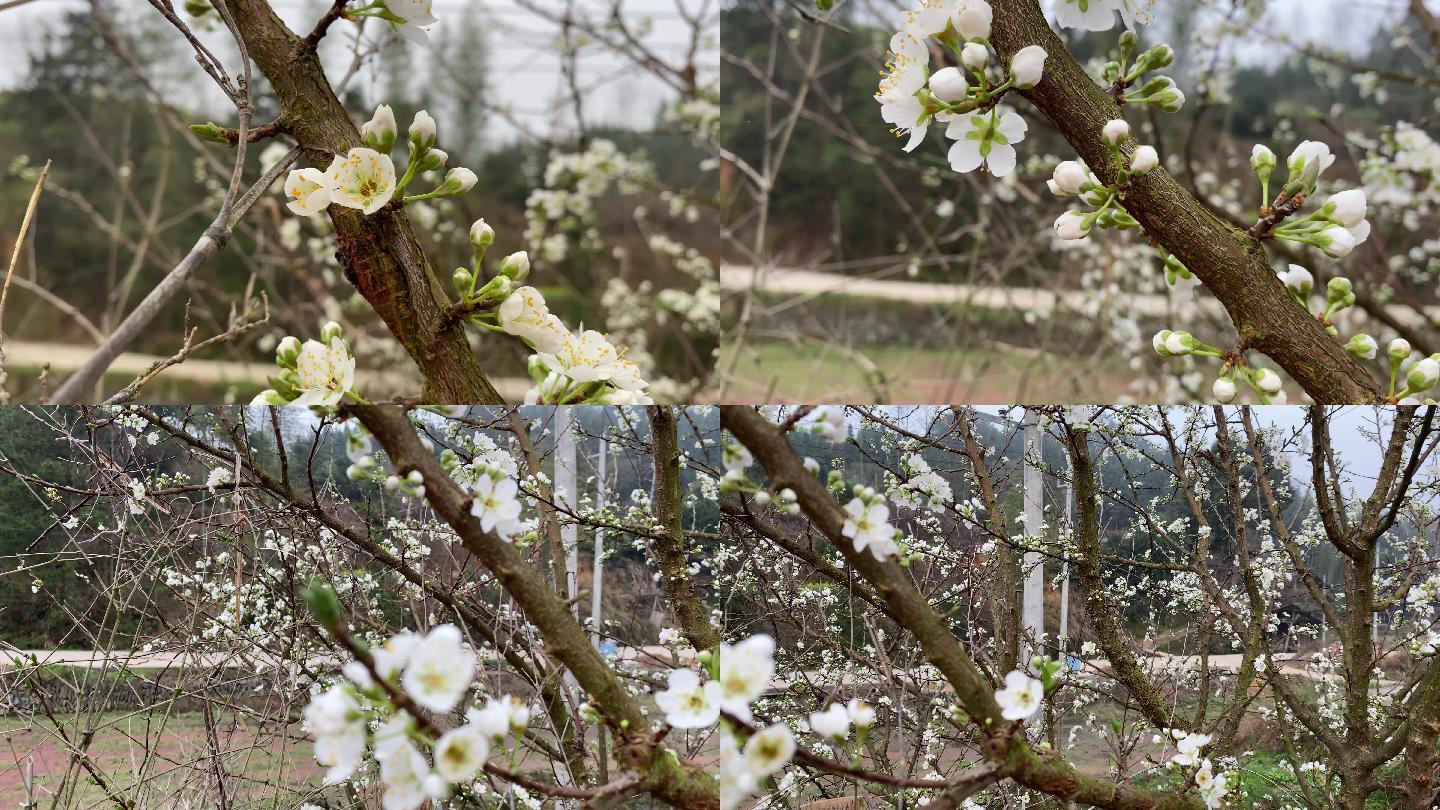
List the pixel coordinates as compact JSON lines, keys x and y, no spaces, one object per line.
{"x":1063,"y":637}
{"x":1033,"y":603}
{"x":565,"y":497}
{"x":599,"y":570}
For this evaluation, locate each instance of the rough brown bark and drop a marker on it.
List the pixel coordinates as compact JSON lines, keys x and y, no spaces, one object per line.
{"x":1233,"y":265}
{"x":670,"y":551}
{"x":379,"y":253}
{"x":666,"y":777}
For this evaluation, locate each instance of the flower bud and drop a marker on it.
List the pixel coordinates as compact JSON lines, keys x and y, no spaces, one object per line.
{"x":975,"y":55}
{"x":288,"y":352}
{"x":1423,"y":375}
{"x":1156,"y":58}
{"x":1116,"y":131}
{"x":458,"y":181}
{"x":434,"y":160}
{"x":269,"y":397}
{"x":422,"y":131}
{"x":1399,"y":349}
{"x":1069,"y":178}
{"x":1179,"y":344}
{"x":481,"y":235}
{"x":1262,"y":160}
{"x":380,"y":131}
{"x":1336,"y":242}
{"x":1346,"y":208}
{"x":1268,"y":381}
{"x":1072,"y":225}
{"x":330,"y":331}
{"x":1171,"y":100}
{"x":462,"y":280}
{"x":1362,"y":347}
{"x":1224,"y":390}
{"x":516,"y":266}
{"x":1298,"y":280}
{"x":1339,"y":293}
{"x":971,"y":20}
{"x":1146,"y":158}
{"x":949,"y":85}
{"x":1027,"y":67}
{"x":211,"y":132}
{"x":761,"y":499}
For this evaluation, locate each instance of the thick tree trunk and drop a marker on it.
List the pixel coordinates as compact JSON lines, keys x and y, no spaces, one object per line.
{"x":693,"y":617}
{"x":379,"y":253}
{"x":1233,"y":265}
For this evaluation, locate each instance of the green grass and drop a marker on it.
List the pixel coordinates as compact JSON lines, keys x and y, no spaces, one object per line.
{"x":812,"y":370}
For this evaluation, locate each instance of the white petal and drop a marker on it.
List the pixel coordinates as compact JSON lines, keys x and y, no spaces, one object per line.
{"x":965,"y":156}
{"x":1002,"y":159}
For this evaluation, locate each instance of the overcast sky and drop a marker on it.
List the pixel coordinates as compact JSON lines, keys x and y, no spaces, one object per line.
{"x":525,"y":73}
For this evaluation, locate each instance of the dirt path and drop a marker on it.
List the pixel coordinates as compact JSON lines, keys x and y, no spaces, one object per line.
{"x":63,"y":357}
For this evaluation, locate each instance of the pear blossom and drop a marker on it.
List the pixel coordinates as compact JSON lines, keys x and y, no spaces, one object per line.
{"x":828,"y":421}
{"x":904,"y":76}
{"x":1021,"y":696}
{"x":325,"y":372}
{"x":737,"y":782}
{"x":832,"y":724}
{"x":862,"y":714}
{"x":439,"y":670}
{"x":407,"y":778}
{"x":1308,"y":156}
{"x":745,"y":672}
{"x":868,"y":526}
{"x":523,"y":314}
{"x":458,"y":180}
{"x":496,"y":505}
{"x":1189,"y":745}
{"x":414,"y":15}
{"x":310,"y":190}
{"x":461,"y":752}
{"x":769,"y":749}
{"x":687,"y":702}
{"x":363,"y":179}
{"x":334,"y":719}
{"x":1088,"y":15}
{"x":985,"y":139}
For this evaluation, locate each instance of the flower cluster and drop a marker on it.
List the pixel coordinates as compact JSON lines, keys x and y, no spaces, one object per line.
{"x":1337,"y":227}
{"x":1123,"y":76}
{"x":923,"y":489}
{"x":1099,"y":15}
{"x":316,"y":372}
{"x":371,"y":711}
{"x":1212,"y":786}
{"x":747,"y":759}
{"x":1073,"y":179}
{"x":965,"y":98}
{"x":365,"y":179}
{"x":867,"y":524}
